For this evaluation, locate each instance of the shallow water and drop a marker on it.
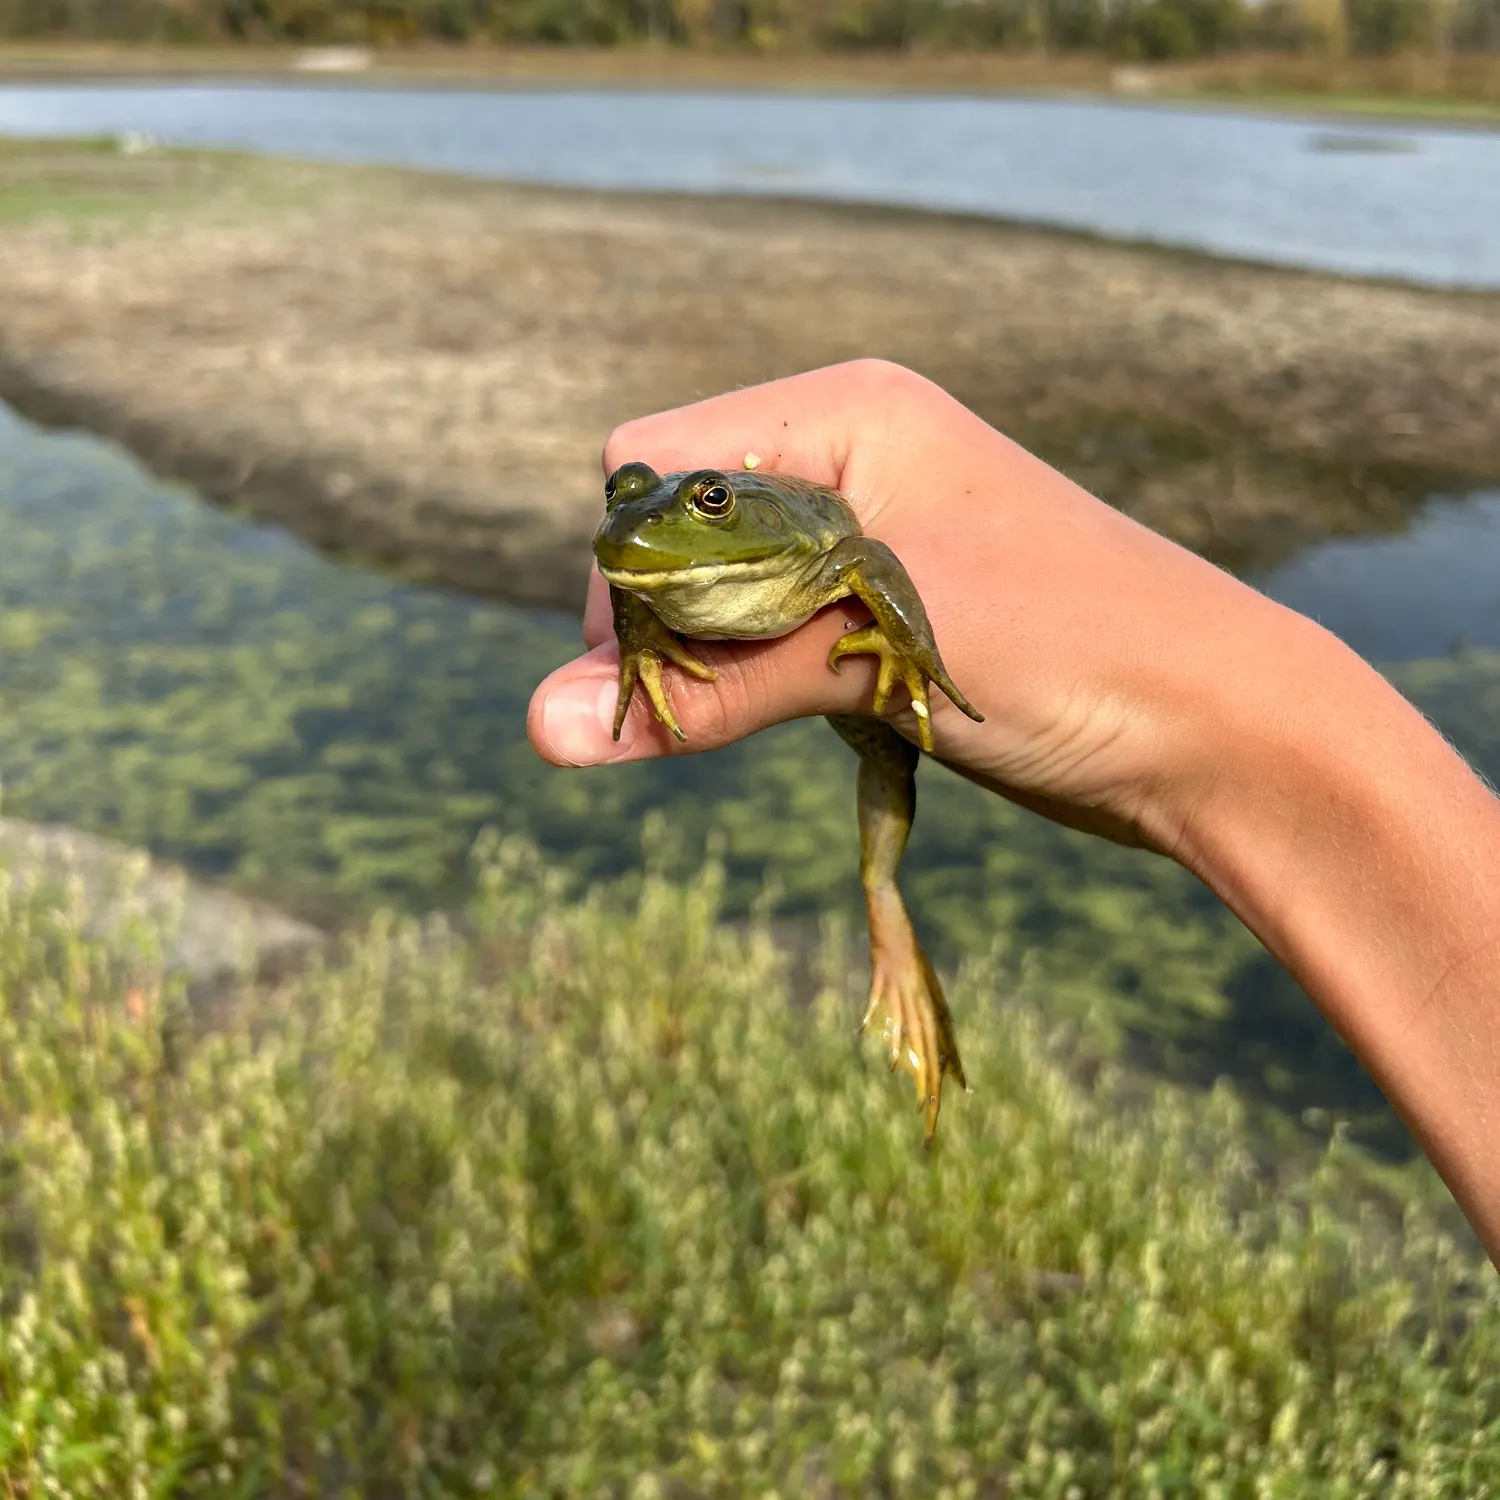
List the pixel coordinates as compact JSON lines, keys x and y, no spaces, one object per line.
{"x":217,"y":692}
{"x":1430,"y":590}
{"x":1419,"y":203}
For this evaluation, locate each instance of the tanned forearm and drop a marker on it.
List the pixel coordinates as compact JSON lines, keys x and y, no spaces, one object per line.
{"x":1363,"y":852}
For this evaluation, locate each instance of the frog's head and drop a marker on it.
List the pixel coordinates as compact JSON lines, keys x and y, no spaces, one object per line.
{"x":657,"y":528}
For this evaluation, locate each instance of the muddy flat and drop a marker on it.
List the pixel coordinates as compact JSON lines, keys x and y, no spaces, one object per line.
{"x":421,"y":370}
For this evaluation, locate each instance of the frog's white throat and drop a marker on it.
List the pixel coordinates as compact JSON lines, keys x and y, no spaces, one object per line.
{"x":730,"y":601}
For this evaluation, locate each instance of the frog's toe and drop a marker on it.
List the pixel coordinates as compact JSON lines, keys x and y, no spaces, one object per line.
{"x":896,"y":666}
{"x":629,"y":675}
{"x":678,"y":654}
{"x":656,"y":690}
{"x":871,"y":641}
{"x":645,"y":667}
{"x":916,"y":685}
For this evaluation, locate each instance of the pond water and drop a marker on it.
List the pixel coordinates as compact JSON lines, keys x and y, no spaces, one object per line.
{"x":1430,"y":590}
{"x":214,"y":690}
{"x":1418,"y":202}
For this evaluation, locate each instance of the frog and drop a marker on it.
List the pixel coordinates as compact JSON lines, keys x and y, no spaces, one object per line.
{"x":714,"y":555}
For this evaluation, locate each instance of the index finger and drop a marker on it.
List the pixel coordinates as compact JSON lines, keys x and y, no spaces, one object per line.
{"x":812,"y":425}
{"x":807,"y":424}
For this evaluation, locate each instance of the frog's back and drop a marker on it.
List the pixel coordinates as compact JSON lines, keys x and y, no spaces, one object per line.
{"x":813,"y":511}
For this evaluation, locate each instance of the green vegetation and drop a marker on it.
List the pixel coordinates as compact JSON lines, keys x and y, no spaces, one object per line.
{"x":1152,"y":29}
{"x":76,"y":182}
{"x":585,"y":1205}
{"x":583,"y":1193}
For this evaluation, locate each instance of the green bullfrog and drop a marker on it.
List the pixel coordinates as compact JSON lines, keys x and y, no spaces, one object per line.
{"x":750,"y":556}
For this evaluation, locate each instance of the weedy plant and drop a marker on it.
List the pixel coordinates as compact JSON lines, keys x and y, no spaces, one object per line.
{"x":583,"y":1200}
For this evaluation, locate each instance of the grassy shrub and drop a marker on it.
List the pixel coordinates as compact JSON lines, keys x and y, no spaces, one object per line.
{"x":582,"y":1204}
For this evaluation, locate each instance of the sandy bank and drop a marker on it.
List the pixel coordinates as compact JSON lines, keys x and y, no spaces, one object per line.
{"x":421,"y":370}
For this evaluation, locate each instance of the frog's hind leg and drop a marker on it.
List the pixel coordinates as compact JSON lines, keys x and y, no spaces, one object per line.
{"x":917,"y":1026}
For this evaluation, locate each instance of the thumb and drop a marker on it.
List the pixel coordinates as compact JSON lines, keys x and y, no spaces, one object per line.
{"x":759,"y":683}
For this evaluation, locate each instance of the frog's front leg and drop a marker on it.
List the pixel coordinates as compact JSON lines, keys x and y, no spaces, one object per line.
{"x":918,"y":1028}
{"x":900,"y":636}
{"x":644,"y":641}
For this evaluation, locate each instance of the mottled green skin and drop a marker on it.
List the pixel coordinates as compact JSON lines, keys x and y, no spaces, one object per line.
{"x":750,"y":556}
{"x":651,"y":527}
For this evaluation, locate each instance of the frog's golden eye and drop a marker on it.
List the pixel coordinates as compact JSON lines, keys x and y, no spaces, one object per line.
{"x":609,"y":489}
{"x":715,"y":501}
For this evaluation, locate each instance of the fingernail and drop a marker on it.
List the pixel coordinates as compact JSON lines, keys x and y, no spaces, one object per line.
{"x":577,"y":720}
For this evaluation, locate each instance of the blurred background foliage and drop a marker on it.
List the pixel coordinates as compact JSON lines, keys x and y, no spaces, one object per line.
{"x":1130,"y":29}
{"x":583,"y":1204}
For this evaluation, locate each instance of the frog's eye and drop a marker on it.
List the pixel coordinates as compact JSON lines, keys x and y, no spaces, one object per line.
{"x":628,"y":481}
{"x":715,"y":502}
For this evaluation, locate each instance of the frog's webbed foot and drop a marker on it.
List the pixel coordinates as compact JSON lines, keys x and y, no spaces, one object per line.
{"x":900,"y":636}
{"x":904,"y":990}
{"x":894,"y":666}
{"x":915,"y":1021}
{"x":644,"y":643}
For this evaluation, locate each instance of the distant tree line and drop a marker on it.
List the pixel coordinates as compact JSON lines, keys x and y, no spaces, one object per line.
{"x":1151,"y":29}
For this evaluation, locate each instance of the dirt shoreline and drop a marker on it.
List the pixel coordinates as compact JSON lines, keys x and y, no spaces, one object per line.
{"x":419,"y":370}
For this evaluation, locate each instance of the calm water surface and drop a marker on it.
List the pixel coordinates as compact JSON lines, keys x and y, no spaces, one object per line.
{"x":1428,"y":591}
{"x":1419,"y":203}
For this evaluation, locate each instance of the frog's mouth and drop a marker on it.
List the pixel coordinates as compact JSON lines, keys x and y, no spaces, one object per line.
{"x":698,"y":575}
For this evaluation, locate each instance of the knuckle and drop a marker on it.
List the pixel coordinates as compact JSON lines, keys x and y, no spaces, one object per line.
{"x":884,"y":378}
{"x":619,"y":445}
{"x":728,"y":706}
{"x":762,"y":687}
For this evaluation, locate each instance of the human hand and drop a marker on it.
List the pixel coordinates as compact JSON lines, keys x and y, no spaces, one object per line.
{"x":1086,"y":640}
{"x":1131,"y":689}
